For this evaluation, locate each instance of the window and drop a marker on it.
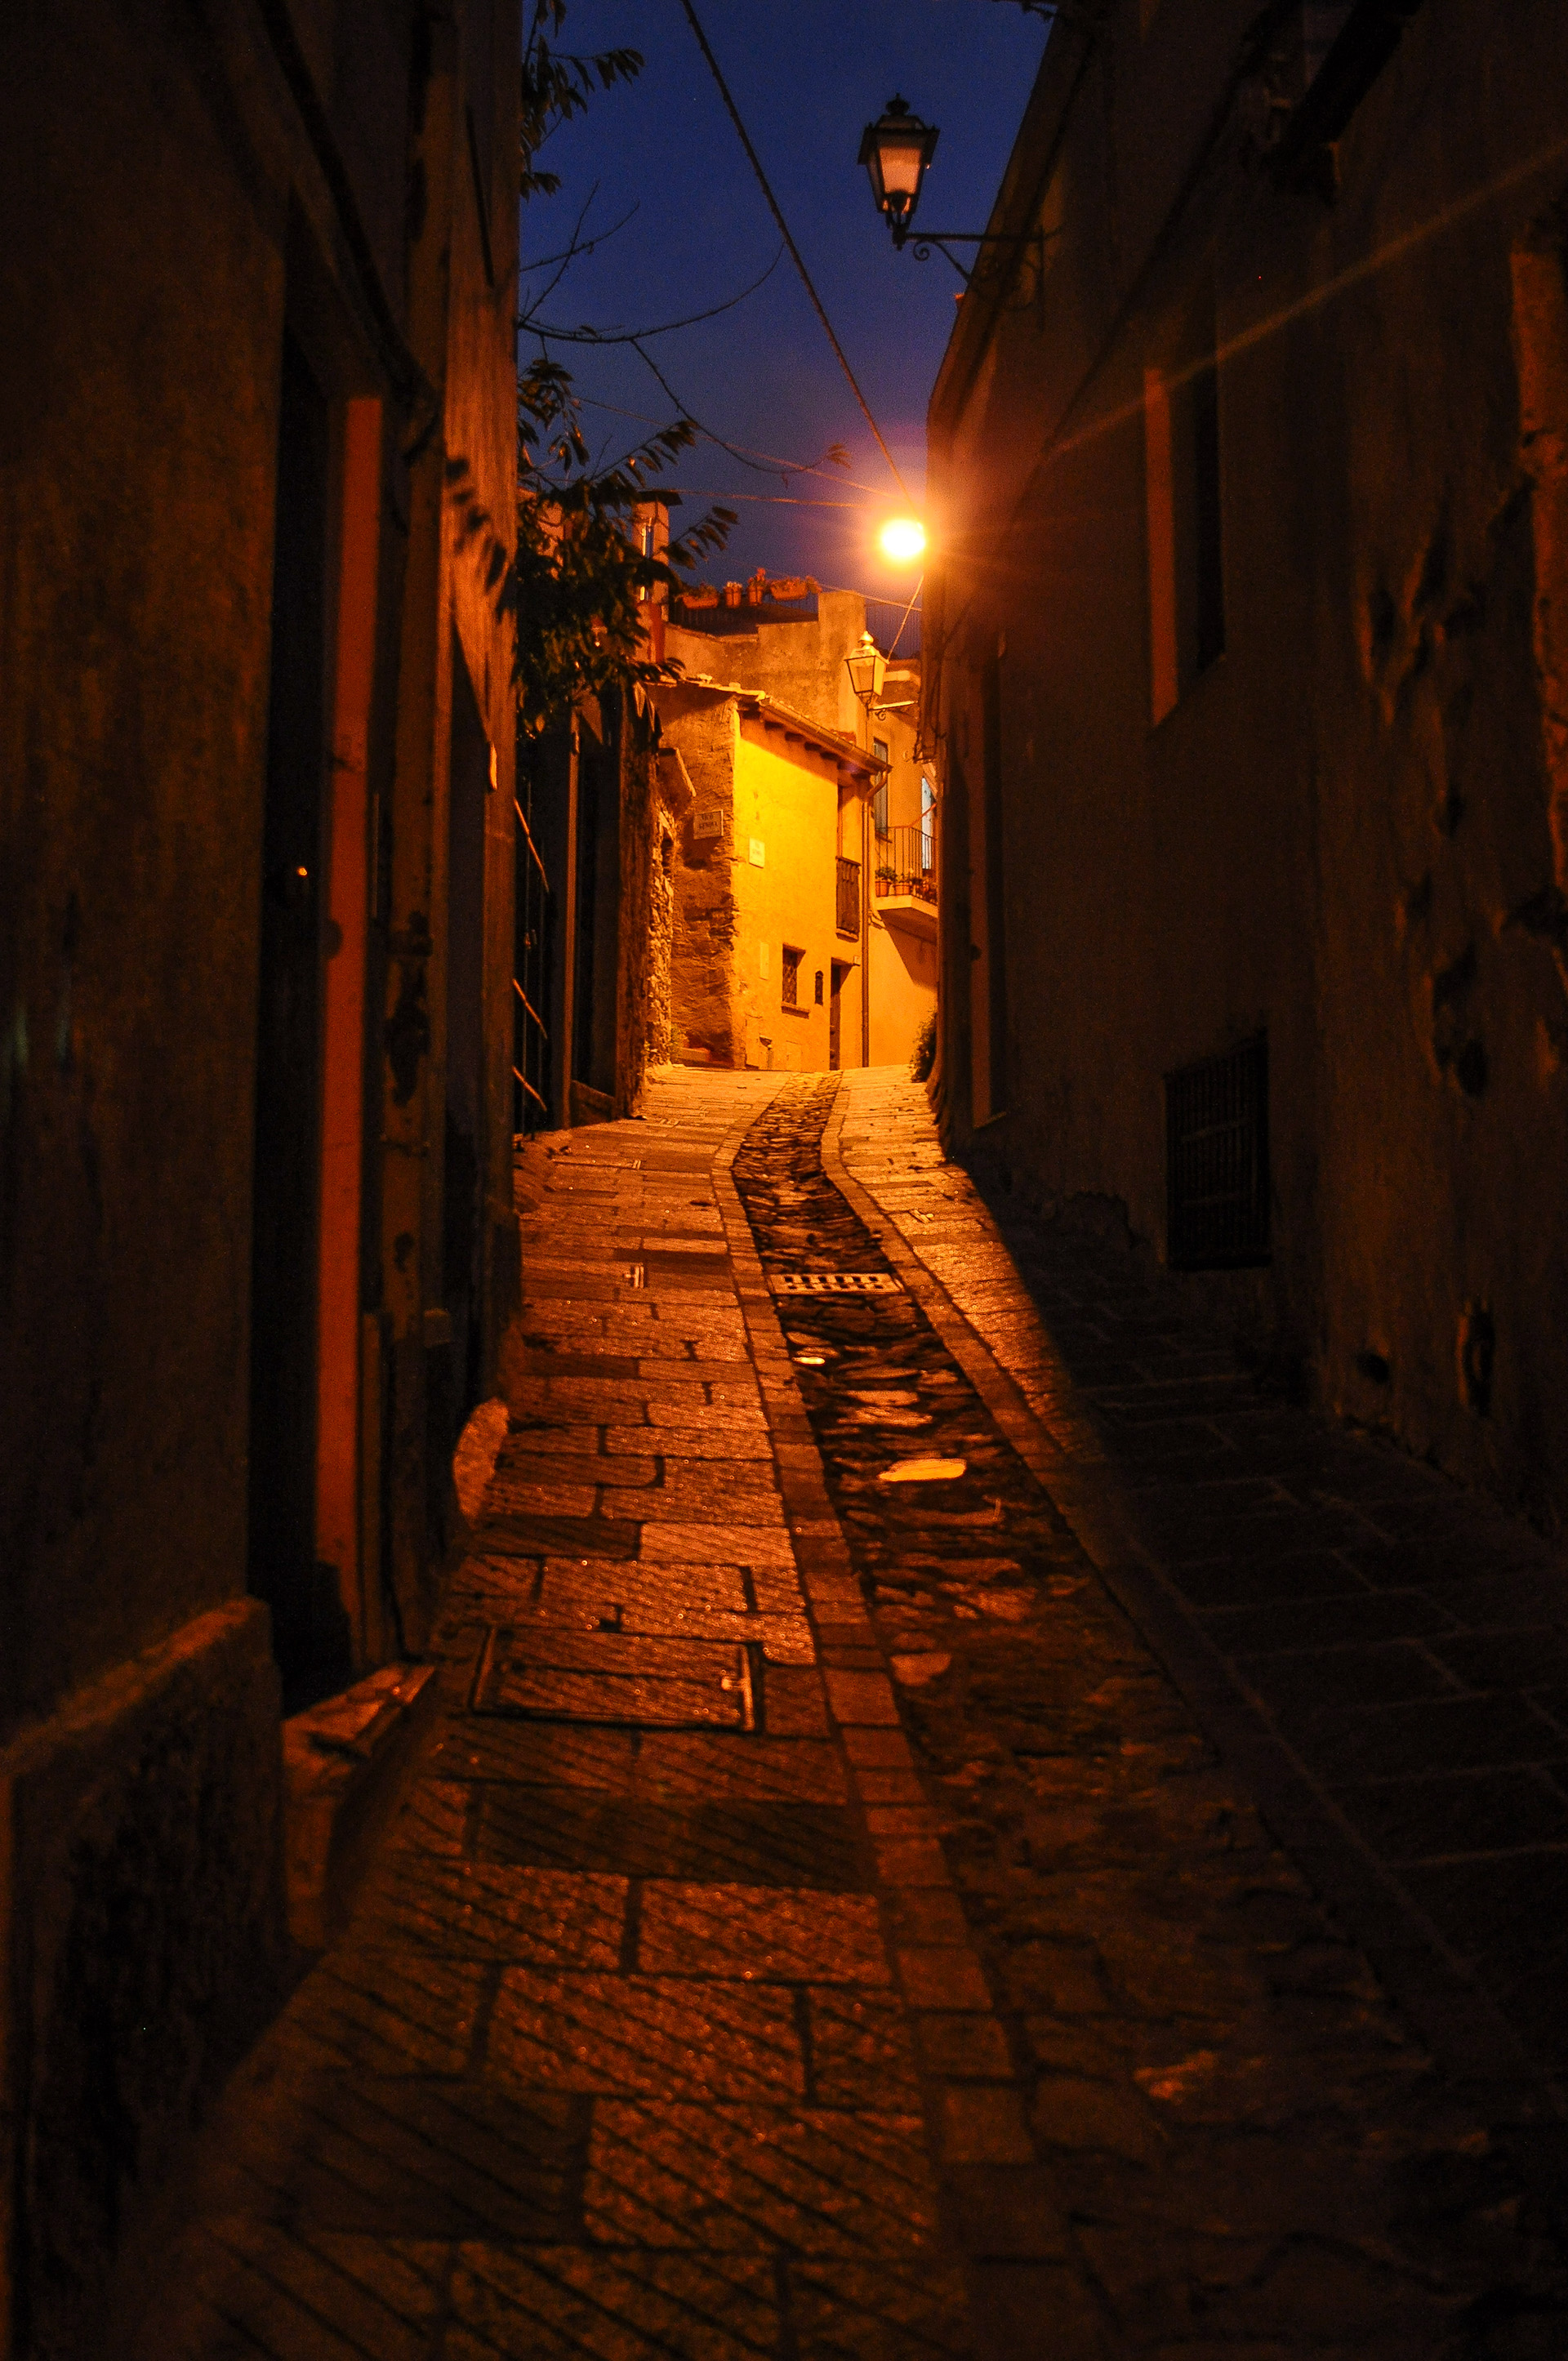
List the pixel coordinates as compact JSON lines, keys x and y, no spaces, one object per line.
{"x":927,"y":827}
{"x":1323,"y":22}
{"x":995,"y":889}
{"x":1320,"y":61}
{"x":1181,"y":479}
{"x":1216,"y":1116}
{"x":879,"y":801}
{"x":789,"y":977}
{"x":816,"y":996}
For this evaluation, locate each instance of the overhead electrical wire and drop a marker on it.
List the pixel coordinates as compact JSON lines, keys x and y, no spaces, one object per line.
{"x":795,"y":256}
{"x":774,"y":499}
{"x":907,"y":612}
{"x":770,"y":462}
{"x":589,"y":335}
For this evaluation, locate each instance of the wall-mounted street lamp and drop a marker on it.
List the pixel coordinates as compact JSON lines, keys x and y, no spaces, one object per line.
{"x":896,"y":150}
{"x":865,"y":667}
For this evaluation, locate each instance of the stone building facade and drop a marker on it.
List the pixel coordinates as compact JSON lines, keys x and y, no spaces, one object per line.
{"x":791,"y":641}
{"x":256,"y":877}
{"x":1245,"y":661}
{"x":766,"y":960}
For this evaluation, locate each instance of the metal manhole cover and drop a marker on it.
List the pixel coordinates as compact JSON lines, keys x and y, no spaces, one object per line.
{"x":836,"y":1282}
{"x":550,"y":1675}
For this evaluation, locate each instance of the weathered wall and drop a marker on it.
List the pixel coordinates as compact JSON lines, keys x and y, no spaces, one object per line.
{"x":674,"y":799}
{"x":142,"y":1912}
{"x":1343,"y":829}
{"x":170,"y":205}
{"x":136,"y":484}
{"x":705,"y":734}
{"x":755,"y":863}
{"x":800,"y":662}
{"x":654,"y":798}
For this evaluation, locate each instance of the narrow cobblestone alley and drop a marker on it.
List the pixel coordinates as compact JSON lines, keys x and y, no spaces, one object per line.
{"x":861,"y":1903}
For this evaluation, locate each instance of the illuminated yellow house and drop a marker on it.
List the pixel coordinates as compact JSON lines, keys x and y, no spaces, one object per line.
{"x":769,"y":881}
{"x":803,"y":650}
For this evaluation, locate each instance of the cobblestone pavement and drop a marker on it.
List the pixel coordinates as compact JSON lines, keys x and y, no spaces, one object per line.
{"x":822,"y":1928}
{"x":1388,"y":1652}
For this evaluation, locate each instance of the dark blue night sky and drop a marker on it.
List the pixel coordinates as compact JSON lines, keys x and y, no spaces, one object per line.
{"x":807,"y":74}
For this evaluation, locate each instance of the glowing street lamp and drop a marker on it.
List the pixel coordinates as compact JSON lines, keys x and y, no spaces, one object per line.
{"x":895,"y":151}
{"x":865,"y":666}
{"x":902,"y":540}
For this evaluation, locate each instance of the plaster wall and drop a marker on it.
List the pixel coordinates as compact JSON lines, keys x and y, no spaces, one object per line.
{"x":1342,"y":831}
{"x":903,"y":962}
{"x":786,"y":802}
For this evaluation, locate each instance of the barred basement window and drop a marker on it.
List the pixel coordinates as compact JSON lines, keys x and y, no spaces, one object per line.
{"x":789,"y":981}
{"x":1216,"y":1118}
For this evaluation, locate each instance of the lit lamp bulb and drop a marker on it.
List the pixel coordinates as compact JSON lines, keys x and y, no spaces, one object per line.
{"x":902,"y":539}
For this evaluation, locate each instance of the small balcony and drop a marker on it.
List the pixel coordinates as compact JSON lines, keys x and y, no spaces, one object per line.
{"x":905,"y":878}
{"x":848,"y":898}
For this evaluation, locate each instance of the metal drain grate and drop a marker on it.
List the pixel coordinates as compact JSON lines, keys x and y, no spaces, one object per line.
{"x":836,"y":1282}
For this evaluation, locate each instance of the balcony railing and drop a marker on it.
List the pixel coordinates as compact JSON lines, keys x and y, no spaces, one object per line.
{"x":848,"y":896}
{"x":906,"y":863}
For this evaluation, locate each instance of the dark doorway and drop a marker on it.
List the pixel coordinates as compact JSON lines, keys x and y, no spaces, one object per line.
{"x":462,"y":1197}
{"x":309,"y":1629}
{"x":995,"y":903}
{"x":534,"y":945}
{"x":598,"y":905}
{"x":835,"y":1014}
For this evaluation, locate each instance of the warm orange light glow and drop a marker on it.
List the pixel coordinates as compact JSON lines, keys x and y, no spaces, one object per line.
{"x":902,"y":539}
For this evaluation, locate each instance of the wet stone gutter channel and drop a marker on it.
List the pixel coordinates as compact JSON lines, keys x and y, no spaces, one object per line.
{"x":1240,"y":2148}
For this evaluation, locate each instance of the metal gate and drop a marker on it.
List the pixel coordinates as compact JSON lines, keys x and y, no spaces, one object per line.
{"x":1217,"y":1161}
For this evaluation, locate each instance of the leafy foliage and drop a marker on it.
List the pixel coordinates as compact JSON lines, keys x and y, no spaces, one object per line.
{"x":578,"y":582}
{"x":556,"y":86}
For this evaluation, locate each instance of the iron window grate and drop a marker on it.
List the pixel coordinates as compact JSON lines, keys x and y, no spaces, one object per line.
{"x":1216,"y":1118}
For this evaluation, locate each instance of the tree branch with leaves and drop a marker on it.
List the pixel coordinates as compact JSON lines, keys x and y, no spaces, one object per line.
{"x":578,"y":582}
